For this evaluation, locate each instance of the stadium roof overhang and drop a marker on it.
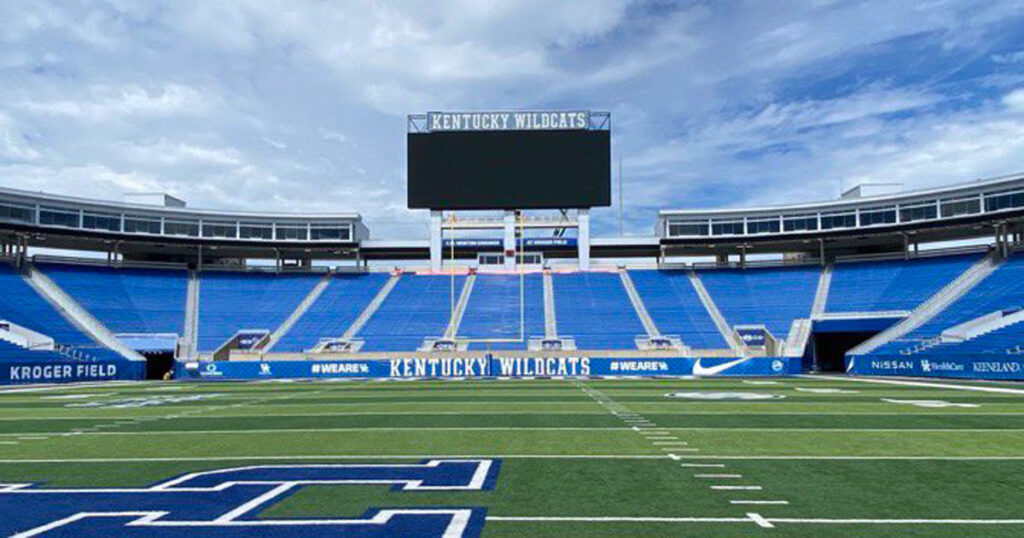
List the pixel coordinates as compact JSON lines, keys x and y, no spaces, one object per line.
{"x":888,"y":222}
{"x":65,"y":222}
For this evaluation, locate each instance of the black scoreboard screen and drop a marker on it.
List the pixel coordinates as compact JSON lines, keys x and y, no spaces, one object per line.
{"x":509,"y":169}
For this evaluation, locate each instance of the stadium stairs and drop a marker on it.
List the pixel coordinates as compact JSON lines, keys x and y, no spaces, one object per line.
{"x":74,"y":312}
{"x":299,"y":311}
{"x":937,"y":303}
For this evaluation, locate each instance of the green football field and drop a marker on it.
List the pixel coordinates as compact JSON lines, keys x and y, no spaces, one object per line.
{"x":725,"y":457}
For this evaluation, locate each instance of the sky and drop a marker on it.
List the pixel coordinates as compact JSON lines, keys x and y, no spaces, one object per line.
{"x":301,"y":106}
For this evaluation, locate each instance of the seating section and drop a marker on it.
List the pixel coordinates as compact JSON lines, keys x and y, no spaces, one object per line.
{"x":344,"y":299}
{"x":1007,"y":340}
{"x":493,"y":310}
{"x":140,"y":301}
{"x":10,"y":352}
{"x":770,"y":296}
{"x":892,"y":285}
{"x":20,"y":304}
{"x":232,"y":301}
{"x":418,"y":307}
{"x":595,"y":309}
{"x":1003,"y":289}
{"x":676,"y":309}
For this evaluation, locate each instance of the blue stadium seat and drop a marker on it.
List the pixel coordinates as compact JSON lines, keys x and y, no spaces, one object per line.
{"x":142,"y":301}
{"x":418,"y":307}
{"x":345,"y":297}
{"x":892,"y":285}
{"x":10,"y":352}
{"x":232,"y":301}
{"x":771,"y":296}
{"x":676,"y":308}
{"x":595,"y":309}
{"x":1002,"y":289}
{"x":20,"y":304}
{"x":493,"y":310}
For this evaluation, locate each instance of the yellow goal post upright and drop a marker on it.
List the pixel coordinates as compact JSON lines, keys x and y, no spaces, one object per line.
{"x":453,"y":224}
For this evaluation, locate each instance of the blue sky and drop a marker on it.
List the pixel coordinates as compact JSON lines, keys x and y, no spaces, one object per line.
{"x":290,"y":105}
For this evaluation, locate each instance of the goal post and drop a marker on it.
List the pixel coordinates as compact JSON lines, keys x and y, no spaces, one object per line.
{"x":519,"y":255}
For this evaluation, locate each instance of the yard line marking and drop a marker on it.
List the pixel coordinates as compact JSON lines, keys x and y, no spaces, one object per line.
{"x":676,"y":449}
{"x":758,"y":502}
{"x":32,"y":438}
{"x":262,"y":415}
{"x":665,"y":443}
{"x":1002,"y":390}
{"x":738,"y":488}
{"x":761,"y":522}
{"x":718,"y":476}
{"x":619,"y":519}
{"x":338,"y":457}
{"x":93,"y":431}
{"x":750,"y":518}
{"x":8,"y":442}
{"x":864,"y":458}
{"x":708,"y":465}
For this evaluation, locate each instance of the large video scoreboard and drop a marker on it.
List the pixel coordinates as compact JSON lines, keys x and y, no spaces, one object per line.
{"x":509,"y":160}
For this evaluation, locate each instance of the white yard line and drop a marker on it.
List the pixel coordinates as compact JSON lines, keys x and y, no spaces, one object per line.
{"x":263,"y":431}
{"x":340,"y":457}
{"x":756,"y":518}
{"x":761,"y":522}
{"x":938,"y":385}
{"x":759,"y":502}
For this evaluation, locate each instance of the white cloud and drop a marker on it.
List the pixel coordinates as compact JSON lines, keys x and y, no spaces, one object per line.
{"x":1015,"y":99}
{"x":107,"y":103}
{"x":296,"y":105}
{"x":13,"y":146}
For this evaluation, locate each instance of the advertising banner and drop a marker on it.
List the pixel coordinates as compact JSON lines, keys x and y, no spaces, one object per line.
{"x":489,"y":367}
{"x":981,"y":367}
{"x":23,"y":372}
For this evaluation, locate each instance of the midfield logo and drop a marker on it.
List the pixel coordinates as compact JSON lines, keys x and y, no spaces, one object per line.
{"x":226,"y":503}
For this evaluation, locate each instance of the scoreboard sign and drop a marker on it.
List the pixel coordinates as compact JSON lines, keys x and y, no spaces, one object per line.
{"x":507,"y":121}
{"x":509,"y":160}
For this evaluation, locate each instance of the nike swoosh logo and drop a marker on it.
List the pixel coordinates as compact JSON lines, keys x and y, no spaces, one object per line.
{"x":715,"y":370}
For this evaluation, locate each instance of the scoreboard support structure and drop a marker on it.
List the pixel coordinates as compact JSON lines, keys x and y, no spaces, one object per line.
{"x":511,"y":227}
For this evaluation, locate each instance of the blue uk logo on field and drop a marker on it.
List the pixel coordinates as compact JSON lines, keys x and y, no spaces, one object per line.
{"x":226,"y":503}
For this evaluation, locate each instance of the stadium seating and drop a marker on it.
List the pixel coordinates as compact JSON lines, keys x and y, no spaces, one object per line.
{"x":771,"y":296}
{"x":11,"y":352}
{"x":676,"y":308}
{"x":1002,"y":289}
{"x":493,"y":310}
{"x":232,"y":301}
{"x":418,"y":307}
{"x":20,"y":304}
{"x":345,"y":297}
{"x":595,"y":309}
{"x":892,"y":285}
{"x":141,"y":301}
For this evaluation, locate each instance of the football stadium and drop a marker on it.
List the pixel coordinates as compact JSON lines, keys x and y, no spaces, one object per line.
{"x":835,"y":366}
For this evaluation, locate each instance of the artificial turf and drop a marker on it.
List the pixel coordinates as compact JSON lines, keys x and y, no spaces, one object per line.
{"x":837,"y":457}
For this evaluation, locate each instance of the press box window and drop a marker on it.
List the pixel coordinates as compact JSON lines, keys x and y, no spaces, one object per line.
{"x":676,"y":229}
{"x":16,"y":213}
{"x":182,"y":227}
{"x":141,"y":225}
{"x":101,"y":221}
{"x":51,"y":216}
{"x":227,"y":230}
{"x":256,"y":230}
{"x":292,"y":233}
{"x":800,"y":223}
